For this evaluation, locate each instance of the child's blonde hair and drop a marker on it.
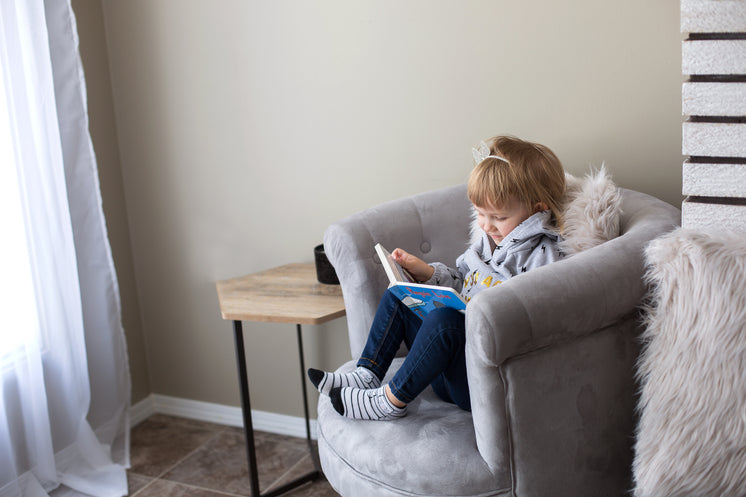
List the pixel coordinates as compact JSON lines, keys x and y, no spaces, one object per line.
{"x":530,"y":172}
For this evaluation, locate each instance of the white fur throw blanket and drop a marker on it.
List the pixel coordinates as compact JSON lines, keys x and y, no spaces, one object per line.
{"x":591,"y":210}
{"x":692,"y":433}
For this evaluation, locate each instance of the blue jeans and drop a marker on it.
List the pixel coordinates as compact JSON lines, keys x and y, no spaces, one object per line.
{"x":436,"y":351}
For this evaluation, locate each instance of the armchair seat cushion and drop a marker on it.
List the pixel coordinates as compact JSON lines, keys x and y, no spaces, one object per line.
{"x":431,"y":451}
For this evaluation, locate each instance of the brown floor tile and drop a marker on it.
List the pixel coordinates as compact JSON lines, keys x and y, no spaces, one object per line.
{"x":319,"y":488}
{"x":303,"y":467}
{"x":135,"y":482}
{"x":221,"y":464}
{"x":274,"y":437}
{"x":176,"y":457}
{"x":160,"y":441}
{"x":163,"y":488}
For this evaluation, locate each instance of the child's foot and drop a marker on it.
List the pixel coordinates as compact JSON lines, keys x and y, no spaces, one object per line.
{"x":358,"y":403}
{"x":360,"y":378}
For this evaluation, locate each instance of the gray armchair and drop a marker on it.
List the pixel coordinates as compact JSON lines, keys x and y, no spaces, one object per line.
{"x":550,"y":361}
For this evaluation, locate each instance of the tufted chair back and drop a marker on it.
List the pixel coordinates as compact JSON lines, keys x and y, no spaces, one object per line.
{"x":419,"y":224}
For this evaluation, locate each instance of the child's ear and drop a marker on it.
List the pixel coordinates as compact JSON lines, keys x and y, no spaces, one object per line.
{"x":540,"y":207}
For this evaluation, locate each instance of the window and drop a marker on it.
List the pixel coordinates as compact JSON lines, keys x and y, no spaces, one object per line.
{"x":17,"y":302}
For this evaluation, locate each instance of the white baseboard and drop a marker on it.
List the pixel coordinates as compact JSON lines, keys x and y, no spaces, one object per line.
{"x":142,"y":410}
{"x":281,"y":424}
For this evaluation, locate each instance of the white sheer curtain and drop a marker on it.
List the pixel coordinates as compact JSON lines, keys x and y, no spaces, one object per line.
{"x":64,"y":382}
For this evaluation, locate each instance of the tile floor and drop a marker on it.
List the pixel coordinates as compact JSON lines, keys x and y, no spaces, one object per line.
{"x":176,"y":457}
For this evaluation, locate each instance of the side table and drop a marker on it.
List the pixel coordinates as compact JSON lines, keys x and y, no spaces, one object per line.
{"x":286,"y":294}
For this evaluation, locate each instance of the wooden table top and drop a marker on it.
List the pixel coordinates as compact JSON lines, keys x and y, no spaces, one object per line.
{"x":285,"y":294}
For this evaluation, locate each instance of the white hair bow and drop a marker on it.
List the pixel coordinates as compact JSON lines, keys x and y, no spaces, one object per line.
{"x":483,"y":152}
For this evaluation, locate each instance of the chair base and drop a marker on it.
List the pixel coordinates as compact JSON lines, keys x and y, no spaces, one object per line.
{"x":430,"y":452}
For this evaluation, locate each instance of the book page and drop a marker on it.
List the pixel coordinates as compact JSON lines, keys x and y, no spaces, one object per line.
{"x":394,"y":271}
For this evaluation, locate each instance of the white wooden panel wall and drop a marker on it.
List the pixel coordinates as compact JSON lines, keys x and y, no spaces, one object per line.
{"x":714,"y":103}
{"x":714,"y":99}
{"x":713,"y":16}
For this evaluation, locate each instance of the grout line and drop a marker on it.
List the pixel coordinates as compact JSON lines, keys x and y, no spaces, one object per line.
{"x":187,"y":456}
{"x":153,"y":480}
{"x":196,"y":487}
{"x":211,"y":490}
{"x":277,"y":482}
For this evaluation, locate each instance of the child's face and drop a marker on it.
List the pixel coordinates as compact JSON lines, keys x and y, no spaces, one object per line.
{"x":498,"y":221}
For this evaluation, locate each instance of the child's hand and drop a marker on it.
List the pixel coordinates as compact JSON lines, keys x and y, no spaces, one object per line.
{"x":418,"y":268}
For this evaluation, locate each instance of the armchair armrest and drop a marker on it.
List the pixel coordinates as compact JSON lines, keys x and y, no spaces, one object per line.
{"x":573,"y":297}
{"x":433,"y":226}
{"x":551,"y":307}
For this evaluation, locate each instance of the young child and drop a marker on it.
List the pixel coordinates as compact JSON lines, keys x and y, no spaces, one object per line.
{"x":516,"y":188}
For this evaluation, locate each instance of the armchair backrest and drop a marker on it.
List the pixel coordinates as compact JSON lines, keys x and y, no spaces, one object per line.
{"x":433,"y":226}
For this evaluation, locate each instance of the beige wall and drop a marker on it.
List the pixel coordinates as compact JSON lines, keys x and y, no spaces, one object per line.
{"x":245,"y":127}
{"x":89,"y":16}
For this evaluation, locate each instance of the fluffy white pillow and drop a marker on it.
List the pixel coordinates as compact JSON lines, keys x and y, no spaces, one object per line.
{"x":691,"y":437}
{"x":592,"y":211}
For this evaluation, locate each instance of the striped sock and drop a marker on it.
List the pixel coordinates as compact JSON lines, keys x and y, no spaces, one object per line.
{"x":360,"y":378}
{"x":358,"y":403}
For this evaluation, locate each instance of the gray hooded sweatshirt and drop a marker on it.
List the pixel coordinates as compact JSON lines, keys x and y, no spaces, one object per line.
{"x":532,"y":244}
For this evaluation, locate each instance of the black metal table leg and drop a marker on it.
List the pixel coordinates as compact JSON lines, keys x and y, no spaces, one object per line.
{"x":249,"y":427}
{"x":314,"y":457}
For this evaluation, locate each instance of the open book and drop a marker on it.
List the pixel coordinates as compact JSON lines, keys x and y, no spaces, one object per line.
{"x":419,"y":297}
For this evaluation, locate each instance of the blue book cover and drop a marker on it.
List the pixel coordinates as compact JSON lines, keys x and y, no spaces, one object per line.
{"x":422,"y":299}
